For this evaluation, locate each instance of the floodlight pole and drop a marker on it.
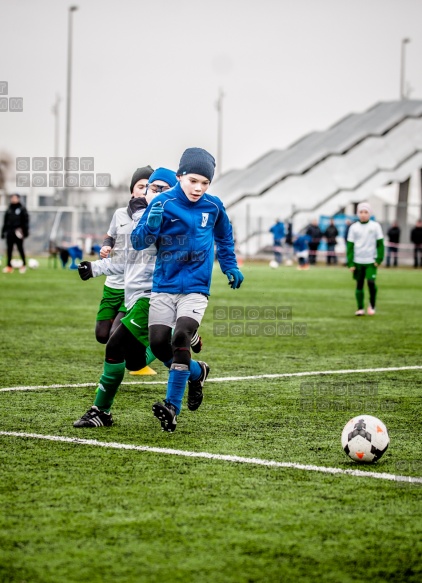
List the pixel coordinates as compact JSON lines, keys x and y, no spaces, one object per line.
{"x":69,"y":93}
{"x":219,"y":107}
{"x":55,"y":111}
{"x":404,"y":42}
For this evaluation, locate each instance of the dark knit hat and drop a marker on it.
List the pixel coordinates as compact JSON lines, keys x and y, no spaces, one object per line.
{"x":165,"y":175}
{"x":144,"y":172}
{"x":197,"y":161}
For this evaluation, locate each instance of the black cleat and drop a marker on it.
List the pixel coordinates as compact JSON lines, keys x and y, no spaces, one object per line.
{"x":196,"y":343}
{"x":195,"y":394}
{"x":94,"y":418}
{"x":166,"y":414}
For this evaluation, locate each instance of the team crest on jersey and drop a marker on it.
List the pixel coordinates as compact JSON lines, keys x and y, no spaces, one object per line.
{"x":204,"y":219}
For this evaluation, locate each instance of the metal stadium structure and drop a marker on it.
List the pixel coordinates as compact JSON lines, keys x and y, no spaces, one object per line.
{"x":325,"y":172}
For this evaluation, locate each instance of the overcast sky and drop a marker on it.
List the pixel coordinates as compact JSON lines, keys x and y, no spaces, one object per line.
{"x":146,"y":74}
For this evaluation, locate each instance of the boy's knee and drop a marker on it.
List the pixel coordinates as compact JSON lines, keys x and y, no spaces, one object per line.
{"x":159,"y":341}
{"x":181,"y":339}
{"x":183,"y":332}
{"x":102,"y":331}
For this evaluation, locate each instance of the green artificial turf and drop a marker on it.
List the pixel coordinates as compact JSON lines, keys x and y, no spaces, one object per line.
{"x":74,"y":512}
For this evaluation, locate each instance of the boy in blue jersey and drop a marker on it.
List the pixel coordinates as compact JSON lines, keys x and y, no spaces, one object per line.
{"x":301,"y":249}
{"x":184,"y":223}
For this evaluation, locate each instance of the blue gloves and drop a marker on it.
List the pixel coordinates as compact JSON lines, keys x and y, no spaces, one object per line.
{"x":155,"y":215}
{"x":235,"y":277}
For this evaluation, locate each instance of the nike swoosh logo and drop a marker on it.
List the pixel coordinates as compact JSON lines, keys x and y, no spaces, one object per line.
{"x":124,"y":225}
{"x":135,"y":324}
{"x":172,"y":220}
{"x":195,"y":312}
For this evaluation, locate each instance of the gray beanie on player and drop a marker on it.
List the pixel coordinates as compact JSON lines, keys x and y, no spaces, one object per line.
{"x":197,"y":161}
{"x":144,"y":172}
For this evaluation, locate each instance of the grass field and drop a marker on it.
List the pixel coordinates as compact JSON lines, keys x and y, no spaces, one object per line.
{"x":73,"y":511}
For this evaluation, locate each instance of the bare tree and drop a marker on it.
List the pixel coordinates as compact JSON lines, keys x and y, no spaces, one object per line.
{"x":6,"y":166}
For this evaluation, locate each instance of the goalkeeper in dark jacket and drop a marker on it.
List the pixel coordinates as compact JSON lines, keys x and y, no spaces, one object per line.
{"x":184,"y":223}
{"x":15,"y":230}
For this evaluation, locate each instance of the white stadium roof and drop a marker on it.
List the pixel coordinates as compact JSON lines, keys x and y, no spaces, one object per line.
{"x":324,"y":171}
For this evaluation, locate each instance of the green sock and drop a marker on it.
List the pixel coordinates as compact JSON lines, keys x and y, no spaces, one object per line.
{"x":359,"y":298}
{"x":149,"y":356}
{"x":109,"y":384}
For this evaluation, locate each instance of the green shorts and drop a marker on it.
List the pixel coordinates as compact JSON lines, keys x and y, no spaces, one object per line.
{"x":365,"y":271}
{"x":136,"y":320}
{"x":113,"y":301}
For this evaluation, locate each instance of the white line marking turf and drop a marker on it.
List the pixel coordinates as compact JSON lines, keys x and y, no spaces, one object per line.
{"x":227,"y":379}
{"x":213,"y":456}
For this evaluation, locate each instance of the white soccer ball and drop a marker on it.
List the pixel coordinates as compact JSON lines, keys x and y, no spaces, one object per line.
{"x":273,"y":264}
{"x":33,"y":264}
{"x":365,"y":438}
{"x":16,"y":263}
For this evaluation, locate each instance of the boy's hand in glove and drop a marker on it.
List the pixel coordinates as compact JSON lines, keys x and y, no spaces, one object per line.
{"x":155,"y":215}
{"x":235,"y":277}
{"x":85,"y":270}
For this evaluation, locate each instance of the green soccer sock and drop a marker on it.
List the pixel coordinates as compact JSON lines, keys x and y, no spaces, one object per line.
{"x":149,"y":356}
{"x":109,"y":384}
{"x":359,"y":298}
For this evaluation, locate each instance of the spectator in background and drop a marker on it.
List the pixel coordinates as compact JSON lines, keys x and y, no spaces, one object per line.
{"x":315,"y":234}
{"x":15,"y":230}
{"x":393,"y":235}
{"x":278,"y":233}
{"x":416,"y":239}
{"x":289,"y":243}
{"x":330,"y":234}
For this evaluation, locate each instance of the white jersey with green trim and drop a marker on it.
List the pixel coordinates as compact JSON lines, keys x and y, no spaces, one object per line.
{"x":120,"y":229}
{"x":365,"y":237}
{"x":136,"y":267}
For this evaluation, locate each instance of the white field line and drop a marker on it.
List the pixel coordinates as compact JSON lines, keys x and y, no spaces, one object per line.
{"x":227,"y":379}
{"x":213,"y":456}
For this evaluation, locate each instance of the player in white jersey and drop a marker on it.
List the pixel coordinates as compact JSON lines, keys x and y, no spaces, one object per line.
{"x":365,"y":251}
{"x":112,"y":306}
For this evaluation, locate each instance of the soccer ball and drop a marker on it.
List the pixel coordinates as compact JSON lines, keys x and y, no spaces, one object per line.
{"x":365,"y":438}
{"x":16,"y":263}
{"x":33,"y":264}
{"x":273,"y":264}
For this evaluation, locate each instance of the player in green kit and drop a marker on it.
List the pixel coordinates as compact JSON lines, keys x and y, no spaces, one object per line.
{"x":365,"y":251}
{"x":112,"y":306}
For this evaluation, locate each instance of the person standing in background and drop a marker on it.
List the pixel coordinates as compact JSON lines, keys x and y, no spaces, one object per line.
{"x":393,"y":235}
{"x":316,"y":235}
{"x":330,"y":234}
{"x":416,"y":239}
{"x":15,"y":230}
{"x":278,"y":233}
